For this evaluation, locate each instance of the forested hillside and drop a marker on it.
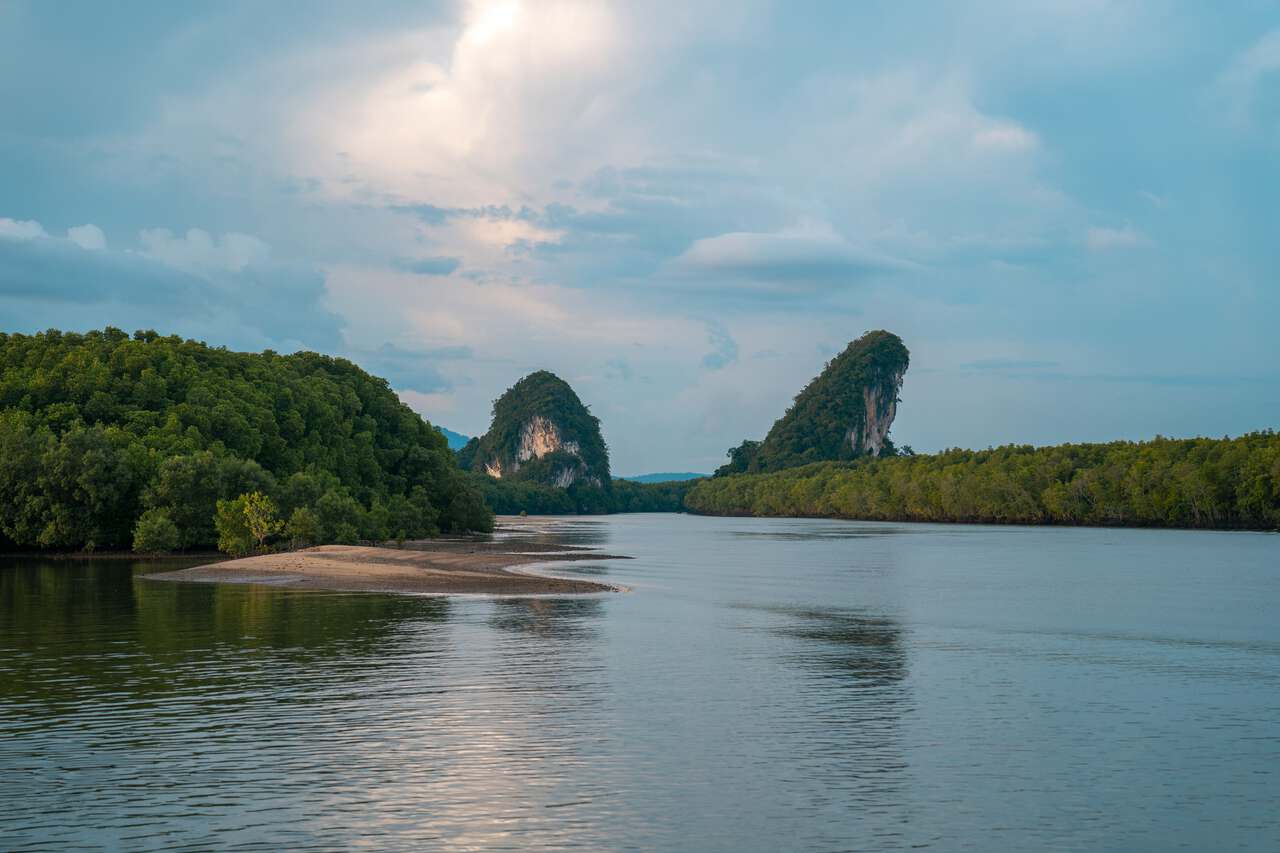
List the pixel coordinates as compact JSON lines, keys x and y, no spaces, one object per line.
{"x":1200,"y":483}
{"x":98,"y":429}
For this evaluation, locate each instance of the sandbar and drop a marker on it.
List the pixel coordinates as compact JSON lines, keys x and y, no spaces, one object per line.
{"x":436,"y":566}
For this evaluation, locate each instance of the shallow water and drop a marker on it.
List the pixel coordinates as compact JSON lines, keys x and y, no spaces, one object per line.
{"x":767,"y":685}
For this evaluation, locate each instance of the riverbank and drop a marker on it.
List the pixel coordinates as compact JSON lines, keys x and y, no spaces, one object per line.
{"x":1198,"y":483}
{"x":436,"y":566}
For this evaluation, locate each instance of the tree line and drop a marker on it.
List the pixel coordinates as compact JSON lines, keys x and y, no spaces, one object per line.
{"x":1228,"y":483}
{"x":508,"y":496}
{"x":109,"y":440}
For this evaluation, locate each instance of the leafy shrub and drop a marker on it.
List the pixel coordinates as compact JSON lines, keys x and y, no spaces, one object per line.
{"x":260,"y":517}
{"x":155,"y":532}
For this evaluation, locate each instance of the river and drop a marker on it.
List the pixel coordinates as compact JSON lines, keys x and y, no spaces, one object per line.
{"x":765,"y":685}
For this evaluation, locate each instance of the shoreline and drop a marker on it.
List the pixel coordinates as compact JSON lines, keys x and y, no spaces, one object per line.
{"x":144,"y":557}
{"x":434,"y":567}
{"x":979,"y":522}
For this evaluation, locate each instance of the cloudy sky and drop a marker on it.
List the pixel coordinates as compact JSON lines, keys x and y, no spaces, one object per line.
{"x":1067,"y":209}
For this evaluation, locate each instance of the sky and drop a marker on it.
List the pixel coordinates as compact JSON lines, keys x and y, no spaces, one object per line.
{"x":1067,"y":209}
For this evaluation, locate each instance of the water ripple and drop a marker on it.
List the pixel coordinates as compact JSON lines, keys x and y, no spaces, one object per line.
{"x":769,"y":685}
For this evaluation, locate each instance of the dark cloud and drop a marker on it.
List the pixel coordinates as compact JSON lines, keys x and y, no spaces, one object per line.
{"x":51,"y":282}
{"x":428,"y":266}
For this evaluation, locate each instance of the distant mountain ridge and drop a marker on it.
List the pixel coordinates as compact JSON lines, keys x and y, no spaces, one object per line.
{"x":456,"y":439}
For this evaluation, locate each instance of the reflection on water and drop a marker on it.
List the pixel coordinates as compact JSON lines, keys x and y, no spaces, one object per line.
{"x":588,"y":533}
{"x":553,"y":618}
{"x":769,"y":685}
{"x":861,"y":649}
{"x":816,"y":535}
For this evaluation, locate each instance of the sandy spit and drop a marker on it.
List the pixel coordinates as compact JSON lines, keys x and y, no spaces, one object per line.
{"x":459,"y":566}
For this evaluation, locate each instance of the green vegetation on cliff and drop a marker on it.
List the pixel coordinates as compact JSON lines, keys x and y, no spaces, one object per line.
{"x":106,"y":437}
{"x":1198,"y":483}
{"x":544,"y":455}
{"x":541,"y":433}
{"x":844,"y":413}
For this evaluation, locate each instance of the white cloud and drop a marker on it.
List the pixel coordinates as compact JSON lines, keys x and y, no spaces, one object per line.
{"x":1154,"y":199}
{"x":201,"y":251}
{"x":511,"y":330}
{"x":88,"y":236}
{"x":1240,"y":88}
{"x":1005,"y":137}
{"x":1103,"y":239}
{"x":21,"y":229}
{"x":523,"y":103}
{"x":811,"y":253}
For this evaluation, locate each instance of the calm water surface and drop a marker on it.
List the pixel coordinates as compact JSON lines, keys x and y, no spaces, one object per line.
{"x":768,"y":685}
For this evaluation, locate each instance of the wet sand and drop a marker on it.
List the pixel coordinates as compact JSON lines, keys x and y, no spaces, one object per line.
{"x":460,"y":566}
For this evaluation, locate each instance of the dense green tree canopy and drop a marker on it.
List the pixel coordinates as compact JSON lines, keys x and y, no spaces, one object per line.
{"x":97,"y":428}
{"x":1200,"y":482}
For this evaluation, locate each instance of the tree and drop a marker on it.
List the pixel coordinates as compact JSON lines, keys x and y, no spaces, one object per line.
{"x":345,"y":534}
{"x":155,"y":533}
{"x":467,"y":511}
{"x":338,"y":511}
{"x":234,"y":536}
{"x":186,"y":488}
{"x":260,"y":517}
{"x":303,"y":528}
{"x":304,"y":488}
{"x":740,"y":458}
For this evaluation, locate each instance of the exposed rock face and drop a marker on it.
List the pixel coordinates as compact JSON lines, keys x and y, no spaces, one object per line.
{"x":542,"y":432}
{"x":540,"y":437}
{"x":844,"y":413}
{"x":881,"y":405}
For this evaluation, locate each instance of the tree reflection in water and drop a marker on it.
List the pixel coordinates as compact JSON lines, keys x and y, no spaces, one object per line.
{"x":548,"y":618}
{"x":854,"y":669}
{"x":76,"y":628}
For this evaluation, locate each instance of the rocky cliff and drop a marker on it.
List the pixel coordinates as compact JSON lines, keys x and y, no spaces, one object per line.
{"x":541,"y":432}
{"x":844,"y":413}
